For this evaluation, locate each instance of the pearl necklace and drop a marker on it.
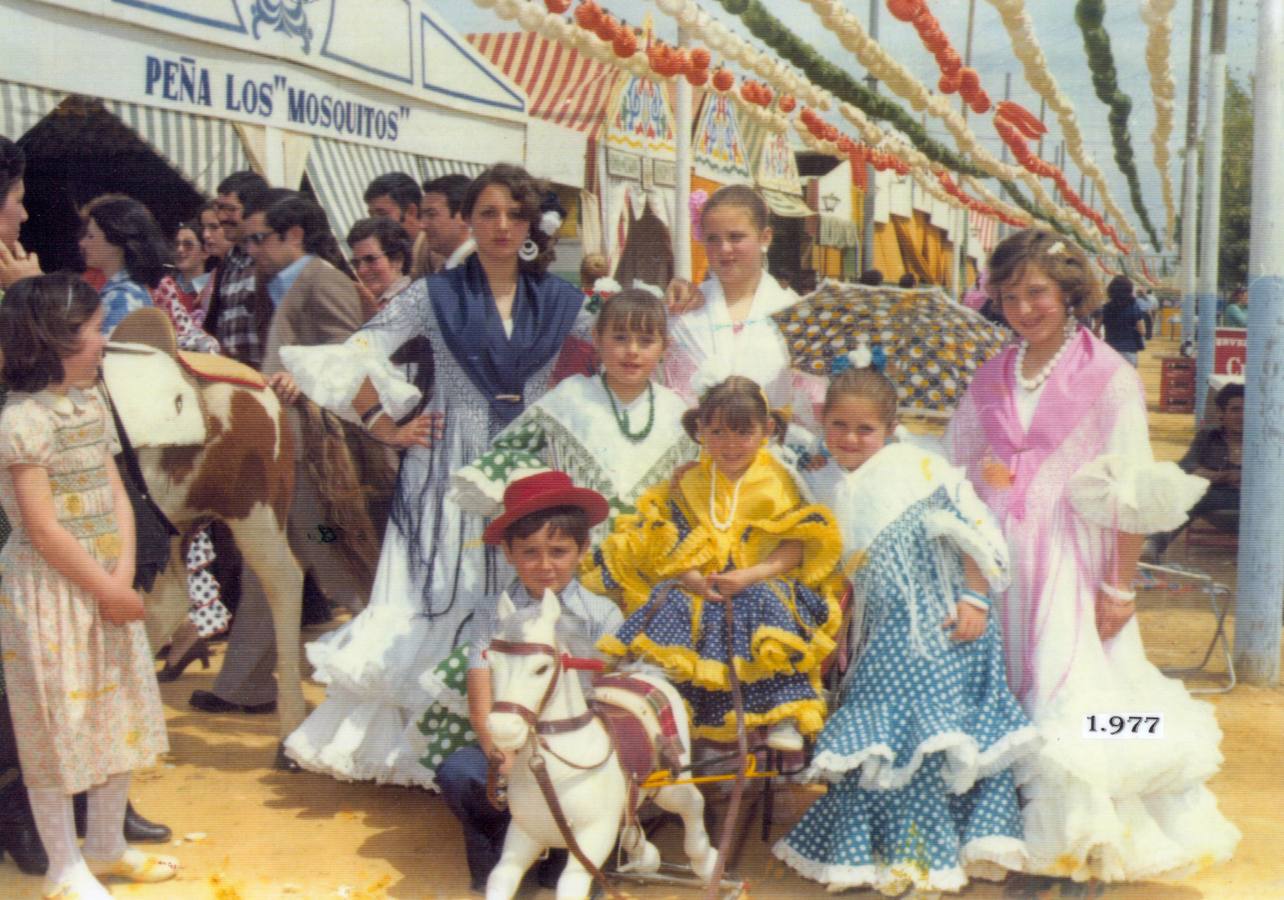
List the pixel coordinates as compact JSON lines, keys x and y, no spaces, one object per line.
{"x":719,"y":524}
{"x":1033,"y":384}
{"x":622,"y":418}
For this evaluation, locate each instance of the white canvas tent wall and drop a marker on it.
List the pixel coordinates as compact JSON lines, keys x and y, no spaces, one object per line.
{"x":341,"y":89}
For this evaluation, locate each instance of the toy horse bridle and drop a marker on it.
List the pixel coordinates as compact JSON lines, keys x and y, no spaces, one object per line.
{"x":538,"y":730}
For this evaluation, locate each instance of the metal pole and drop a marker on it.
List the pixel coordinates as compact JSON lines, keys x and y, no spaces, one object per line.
{"x":1211,"y":208}
{"x":867,"y":237}
{"x":1261,"y":527}
{"x":1189,"y":179}
{"x":961,"y":241}
{"x":681,"y":216}
{"x":1043,"y":108}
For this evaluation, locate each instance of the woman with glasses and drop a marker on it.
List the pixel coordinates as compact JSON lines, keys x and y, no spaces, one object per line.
{"x":122,"y":240}
{"x":380,"y":255}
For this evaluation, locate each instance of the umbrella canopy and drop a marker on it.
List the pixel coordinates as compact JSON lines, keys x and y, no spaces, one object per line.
{"x":933,"y":345}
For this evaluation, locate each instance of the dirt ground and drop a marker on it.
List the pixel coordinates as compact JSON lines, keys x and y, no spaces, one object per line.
{"x":246,"y":831}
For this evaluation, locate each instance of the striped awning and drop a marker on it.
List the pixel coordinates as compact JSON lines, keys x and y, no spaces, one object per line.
{"x":340,"y":171}
{"x":23,"y":105}
{"x":201,"y":149}
{"x":564,"y":86}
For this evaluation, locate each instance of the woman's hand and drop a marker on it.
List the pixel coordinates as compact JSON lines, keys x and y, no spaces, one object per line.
{"x":421,"y":431}
{"x":1112,"y":615}
{"x":968,"y":622}
{"x":16,"y":264}
{"x":287,"y":389}
{"x":121,"y":604}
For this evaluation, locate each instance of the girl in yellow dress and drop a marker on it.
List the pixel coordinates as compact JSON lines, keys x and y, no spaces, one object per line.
{"x":731,"y":534}
{"x":82,"y":692}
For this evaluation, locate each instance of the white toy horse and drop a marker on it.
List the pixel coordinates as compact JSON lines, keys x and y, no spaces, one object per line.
{"x":540,"y":710}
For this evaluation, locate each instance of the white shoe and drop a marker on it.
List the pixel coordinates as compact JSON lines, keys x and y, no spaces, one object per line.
{"x":784,"y":736}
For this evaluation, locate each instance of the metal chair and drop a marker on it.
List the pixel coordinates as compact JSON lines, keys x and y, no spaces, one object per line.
{"x":1219,"y":602}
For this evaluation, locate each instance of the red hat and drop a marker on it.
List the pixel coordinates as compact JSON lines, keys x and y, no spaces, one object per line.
{"x":544,"y":490}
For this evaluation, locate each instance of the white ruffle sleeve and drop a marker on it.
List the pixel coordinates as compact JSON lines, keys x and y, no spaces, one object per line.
{"x":1135,"y":496}
{"x":330,"y":375}
{"x":971,"y":528}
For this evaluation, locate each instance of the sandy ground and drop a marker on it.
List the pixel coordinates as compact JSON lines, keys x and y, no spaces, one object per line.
{"x":246,"y":831}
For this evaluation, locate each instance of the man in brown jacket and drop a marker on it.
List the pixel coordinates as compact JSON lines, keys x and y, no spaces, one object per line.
{"x":313,"y":303}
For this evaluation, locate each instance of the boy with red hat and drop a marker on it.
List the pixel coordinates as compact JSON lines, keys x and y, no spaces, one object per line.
{"x":544,"y":533}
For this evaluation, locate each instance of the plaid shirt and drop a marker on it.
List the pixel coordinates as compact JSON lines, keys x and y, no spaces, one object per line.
{"x":238,"y":326}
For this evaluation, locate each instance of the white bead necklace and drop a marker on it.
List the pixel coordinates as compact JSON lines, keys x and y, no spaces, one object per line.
{"x":717,"y":523}
{"x":1033,"y":384}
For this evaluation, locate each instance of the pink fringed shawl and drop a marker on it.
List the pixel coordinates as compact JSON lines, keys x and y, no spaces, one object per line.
{"x":1022,"y":474}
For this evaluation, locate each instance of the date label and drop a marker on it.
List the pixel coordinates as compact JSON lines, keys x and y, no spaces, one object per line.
{"x":1122,"y":725}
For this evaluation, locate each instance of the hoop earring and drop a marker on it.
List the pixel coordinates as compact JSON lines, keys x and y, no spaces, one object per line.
{"x":529,"y":251}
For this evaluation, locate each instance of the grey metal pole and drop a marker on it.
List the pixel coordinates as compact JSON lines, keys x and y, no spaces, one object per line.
{"x":1261,"y":531}
{"x":867,"y":213}
{"x":1189,"y":179}
{"x":682,"y":194}
{"x":1211,"y":209}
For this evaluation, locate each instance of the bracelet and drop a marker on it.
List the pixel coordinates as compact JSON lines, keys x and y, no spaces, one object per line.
{"x":972,"y":598}
{"x":370,"y":415}
{"x":1119,"y":596}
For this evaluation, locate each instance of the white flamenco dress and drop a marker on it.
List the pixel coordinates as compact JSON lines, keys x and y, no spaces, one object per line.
{"x":379,"y":669}
{"x":1064,"y":476}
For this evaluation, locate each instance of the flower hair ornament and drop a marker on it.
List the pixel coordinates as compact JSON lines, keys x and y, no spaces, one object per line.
{"x":863,"y":357}
{"x":552,"y":215}
{"x":695,"y":207}
{"x":640,"y":285}
{"x":604,"y":288}
{"x":1058,"y":247}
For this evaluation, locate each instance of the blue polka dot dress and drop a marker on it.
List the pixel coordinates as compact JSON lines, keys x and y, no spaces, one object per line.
{"x":782,"y":628}
{"x":918,"y":754}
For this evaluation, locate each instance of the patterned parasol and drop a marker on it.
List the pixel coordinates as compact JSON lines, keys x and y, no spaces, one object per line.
{"x":933,"y":345}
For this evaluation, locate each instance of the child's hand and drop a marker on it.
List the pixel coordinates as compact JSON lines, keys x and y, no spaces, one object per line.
{"x":121,"y":605}
{"x":968,"y":622}
{"x":728,"y":584}
{"x":1112,"y":615}
{"x":695,"y":583}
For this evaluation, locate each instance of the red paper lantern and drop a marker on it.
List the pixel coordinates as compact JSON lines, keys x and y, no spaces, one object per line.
{"x":981,"y":103}
{"x":723,"y":80}
{"x":681,"y":62}
{"x":905,"y":10}
{"x":655,"y":56}
{"x":787,"y":103}
{"x":949,"y":61}
{"x":697,"y":76}
{"x":557,"y":7}
{"x":765,"y":95}
{"x":700,"y":58}
{"x":625,"y":43}
{"x":969,"y":81}
{"x":587,"y":15}
{"x":949,"y":83}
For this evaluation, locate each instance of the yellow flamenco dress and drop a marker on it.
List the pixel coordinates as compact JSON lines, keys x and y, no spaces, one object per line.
{"x":782,"y":628}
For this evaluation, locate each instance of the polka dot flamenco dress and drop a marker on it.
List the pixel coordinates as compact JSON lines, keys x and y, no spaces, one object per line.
{"x":918,"y":753}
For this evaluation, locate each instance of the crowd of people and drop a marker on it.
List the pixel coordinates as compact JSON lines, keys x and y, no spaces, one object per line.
{"x":653,"y":459}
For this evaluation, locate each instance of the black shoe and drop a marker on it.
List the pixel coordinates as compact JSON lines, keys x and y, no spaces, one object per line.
{"x":200,"y":650}
{"x":137,"y":829}
{"x":23,"y":844}
{"x":283,"y":763}
{"x":143,"y":831}
{"x":208,"y":701}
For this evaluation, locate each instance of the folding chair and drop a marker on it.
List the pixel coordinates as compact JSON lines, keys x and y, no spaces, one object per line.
{"x":1219,"y":602}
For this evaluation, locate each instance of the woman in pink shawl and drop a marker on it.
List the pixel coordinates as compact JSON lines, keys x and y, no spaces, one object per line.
{"x":1053,"y":434}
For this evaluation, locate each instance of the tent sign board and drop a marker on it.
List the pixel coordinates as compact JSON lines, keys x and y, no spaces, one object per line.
{"x":407,"y":78}
{"x":640,"y":121}
{"x":719,"y":152}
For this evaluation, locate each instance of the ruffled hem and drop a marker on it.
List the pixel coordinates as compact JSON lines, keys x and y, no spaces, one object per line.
{"x":964,"y":766}
{"x":808,"y":715}
{"x":990,"y":858}
{"x":1115,"y":492}
{"x":775,"y":652}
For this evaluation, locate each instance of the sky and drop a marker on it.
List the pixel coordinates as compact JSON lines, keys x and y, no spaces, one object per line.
{"x":1062,"y":44}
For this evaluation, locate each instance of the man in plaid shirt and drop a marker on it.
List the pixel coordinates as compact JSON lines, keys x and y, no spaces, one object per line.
{"x":238,"y":313}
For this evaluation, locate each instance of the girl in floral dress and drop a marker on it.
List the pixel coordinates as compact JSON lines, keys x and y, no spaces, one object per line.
{"x":84,"y":701}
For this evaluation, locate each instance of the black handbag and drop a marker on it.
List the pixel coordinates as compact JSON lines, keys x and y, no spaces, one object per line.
{"x":152,"y":528}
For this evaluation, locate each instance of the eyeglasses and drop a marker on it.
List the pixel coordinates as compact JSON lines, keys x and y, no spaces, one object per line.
{"x":369,"y":259}
{"x":257,"y":238}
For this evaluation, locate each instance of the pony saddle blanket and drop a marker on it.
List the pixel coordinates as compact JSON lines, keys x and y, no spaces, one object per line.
{"x":642,"y":725}
{"x":213,"y":367}
{"x":159,"y":405}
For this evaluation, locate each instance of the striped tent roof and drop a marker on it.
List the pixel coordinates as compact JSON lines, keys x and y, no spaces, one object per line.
{"x":564,"y":87}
